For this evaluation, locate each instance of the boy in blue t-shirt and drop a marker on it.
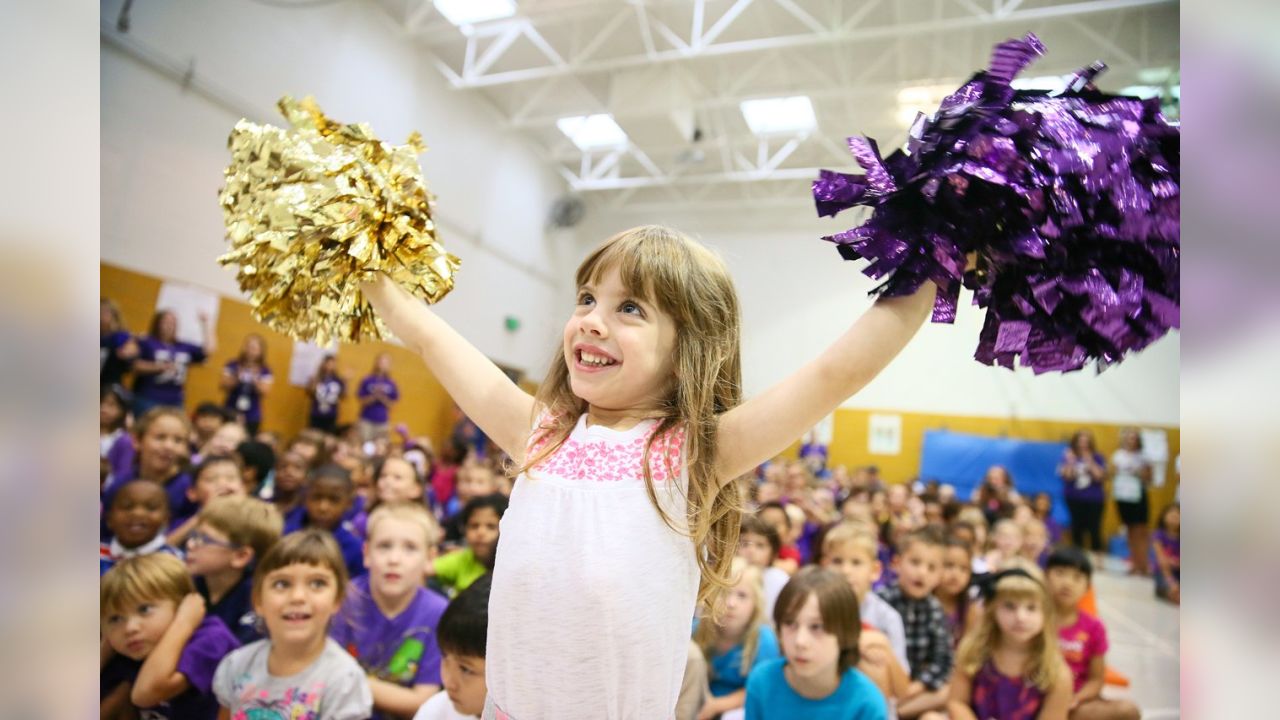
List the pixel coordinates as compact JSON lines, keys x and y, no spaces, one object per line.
{"x":817,"y":678}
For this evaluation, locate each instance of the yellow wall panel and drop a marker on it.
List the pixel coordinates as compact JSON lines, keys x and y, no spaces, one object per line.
{"x":424,"y":406}
{"x":851,"y":432}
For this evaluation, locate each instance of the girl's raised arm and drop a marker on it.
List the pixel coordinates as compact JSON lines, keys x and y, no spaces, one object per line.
{"x":484,"y":393}
{"x":767,"y":424}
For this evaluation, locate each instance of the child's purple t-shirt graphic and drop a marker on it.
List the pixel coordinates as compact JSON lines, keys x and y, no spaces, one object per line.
{"x":401,"y":650}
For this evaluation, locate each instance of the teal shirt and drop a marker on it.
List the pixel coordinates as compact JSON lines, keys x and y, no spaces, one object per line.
{"x":770,"y":696}
{"x":726,"y":669}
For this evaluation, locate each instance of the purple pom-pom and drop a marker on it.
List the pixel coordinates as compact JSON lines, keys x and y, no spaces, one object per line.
{"x":1070,"y":199}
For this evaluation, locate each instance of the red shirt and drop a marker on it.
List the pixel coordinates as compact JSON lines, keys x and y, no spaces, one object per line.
{"x":789,"y":552}
{"x":1082,"y":641}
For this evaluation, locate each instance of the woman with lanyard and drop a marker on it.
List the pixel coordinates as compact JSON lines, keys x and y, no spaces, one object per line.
{"x":1083,"y":470}
{"x":247,"y":379}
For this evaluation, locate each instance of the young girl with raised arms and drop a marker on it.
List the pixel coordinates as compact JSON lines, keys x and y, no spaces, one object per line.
{"x":298,"y":671}
{"x":1009,"y":666}
{"x":625,"y":512}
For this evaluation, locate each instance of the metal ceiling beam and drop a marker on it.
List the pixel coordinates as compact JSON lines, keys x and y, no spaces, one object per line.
{"x":858,"y":89}
{"x":663,"y":180}
{"x":977,"y":17}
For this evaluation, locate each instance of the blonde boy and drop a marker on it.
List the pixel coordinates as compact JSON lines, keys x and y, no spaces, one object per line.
{"x":388,"y":621}
{"x":160,"y":650}
{"x":850,"y":549}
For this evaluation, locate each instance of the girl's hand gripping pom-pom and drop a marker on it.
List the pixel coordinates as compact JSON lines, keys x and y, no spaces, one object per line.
{"x":314,"y":210}
{"x":1069,"y":198}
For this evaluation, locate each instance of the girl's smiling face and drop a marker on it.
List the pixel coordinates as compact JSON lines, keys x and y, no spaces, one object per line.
{"x":296,"y":603}
{"x":618,"y":347}
{"x":398,"y":481}
{"x":162,"y":446}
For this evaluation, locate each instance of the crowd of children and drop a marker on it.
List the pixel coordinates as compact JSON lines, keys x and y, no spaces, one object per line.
{"x":953,"y":603}
{"x":300,"y":579}
{"x":958,"y":612}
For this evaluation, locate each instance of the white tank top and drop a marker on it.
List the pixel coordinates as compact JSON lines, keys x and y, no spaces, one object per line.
{"x":593,"y":594}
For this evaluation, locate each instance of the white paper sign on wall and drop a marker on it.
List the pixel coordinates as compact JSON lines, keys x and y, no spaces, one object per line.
{"x":1155,"y":446}
{"x":187,"y":303}
{"x":885,"y":435}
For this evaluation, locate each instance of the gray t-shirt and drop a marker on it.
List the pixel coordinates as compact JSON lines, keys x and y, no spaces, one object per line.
{"x":331,"y":688}
{"x":880,"y":615}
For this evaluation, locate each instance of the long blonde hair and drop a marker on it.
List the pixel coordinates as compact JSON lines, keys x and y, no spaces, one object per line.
{"x":709,"y":631}
{"x":1046,"y":664}
{"x":692,"y":286}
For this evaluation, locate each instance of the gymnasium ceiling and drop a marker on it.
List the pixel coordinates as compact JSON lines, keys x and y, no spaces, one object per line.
{"x":673,"y":73}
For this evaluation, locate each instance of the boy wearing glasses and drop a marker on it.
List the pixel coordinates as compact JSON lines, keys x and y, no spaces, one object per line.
{"x":230,"y":534}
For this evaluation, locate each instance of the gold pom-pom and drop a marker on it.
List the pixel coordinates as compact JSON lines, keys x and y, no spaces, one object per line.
{"x":315,"y":210}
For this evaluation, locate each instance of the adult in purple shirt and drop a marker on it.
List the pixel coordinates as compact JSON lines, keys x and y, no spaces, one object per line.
{"x":327,"y":387}
{"x":1083,"y":470}
{"x":116,"y":346}
{"x":377,"y":393}
{"x":246,"y":379}
{"x":160,"y":372}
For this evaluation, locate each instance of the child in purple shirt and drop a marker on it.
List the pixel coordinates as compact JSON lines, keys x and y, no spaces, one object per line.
{"x":116,"y":448}
{"x":325,"y":503}
{"x":160,"y":372}
{"x":161,"y":651}
{"x":161,"y":457}
{"x":389,"y":620}
{"x":136,"y":520}
{"x":1166,"y":547}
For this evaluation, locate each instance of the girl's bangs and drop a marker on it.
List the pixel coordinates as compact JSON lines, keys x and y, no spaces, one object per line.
{"x":637,"y":257}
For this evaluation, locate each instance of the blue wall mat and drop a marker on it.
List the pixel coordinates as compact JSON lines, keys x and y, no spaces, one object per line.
{"x":962,"y":460}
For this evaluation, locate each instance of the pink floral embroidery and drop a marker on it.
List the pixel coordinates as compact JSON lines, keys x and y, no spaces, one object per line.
{"x":605,"y":461}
